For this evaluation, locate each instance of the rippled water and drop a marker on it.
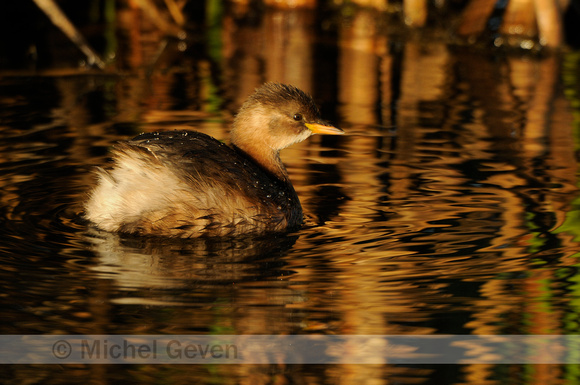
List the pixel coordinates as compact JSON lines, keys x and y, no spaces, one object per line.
{"x":451,"y":207}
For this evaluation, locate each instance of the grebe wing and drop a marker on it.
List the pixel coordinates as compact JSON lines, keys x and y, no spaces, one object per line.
{"x":201,"y":159}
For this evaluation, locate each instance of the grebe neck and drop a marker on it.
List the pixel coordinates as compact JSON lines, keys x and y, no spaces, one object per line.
{"x":269,"y":160}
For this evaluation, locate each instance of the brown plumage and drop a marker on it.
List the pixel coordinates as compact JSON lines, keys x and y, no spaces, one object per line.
{"x":187,"y":184}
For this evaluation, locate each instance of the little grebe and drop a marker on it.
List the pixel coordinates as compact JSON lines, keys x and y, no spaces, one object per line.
{"x":187,"y":184}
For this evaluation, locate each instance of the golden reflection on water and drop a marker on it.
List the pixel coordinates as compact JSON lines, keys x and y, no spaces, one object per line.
{"x":450,"y":206}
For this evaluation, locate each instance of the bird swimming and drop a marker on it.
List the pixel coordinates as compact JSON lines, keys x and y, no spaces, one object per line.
{"x":188,"y":184}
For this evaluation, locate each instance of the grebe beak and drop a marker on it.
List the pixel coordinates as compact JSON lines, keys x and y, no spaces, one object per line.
{"x":323,"y":129}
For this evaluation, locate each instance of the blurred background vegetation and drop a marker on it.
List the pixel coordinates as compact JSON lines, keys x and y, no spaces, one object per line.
{"x":63,"y":33}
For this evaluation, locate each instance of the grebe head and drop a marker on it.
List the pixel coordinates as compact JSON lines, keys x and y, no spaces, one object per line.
{"x":275,"y":117}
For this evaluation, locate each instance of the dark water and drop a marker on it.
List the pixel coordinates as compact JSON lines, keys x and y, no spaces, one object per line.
{"x":451,"y":207}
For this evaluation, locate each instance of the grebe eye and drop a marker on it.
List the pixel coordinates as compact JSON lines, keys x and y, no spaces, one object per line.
{"x":297,"y":117}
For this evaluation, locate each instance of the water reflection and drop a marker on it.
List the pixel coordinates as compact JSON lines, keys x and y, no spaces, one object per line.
{"x":148,"y":263}
{"x":451,"y":206}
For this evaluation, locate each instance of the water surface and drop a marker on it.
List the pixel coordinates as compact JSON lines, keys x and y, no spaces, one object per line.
{"x":450,"y":207}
